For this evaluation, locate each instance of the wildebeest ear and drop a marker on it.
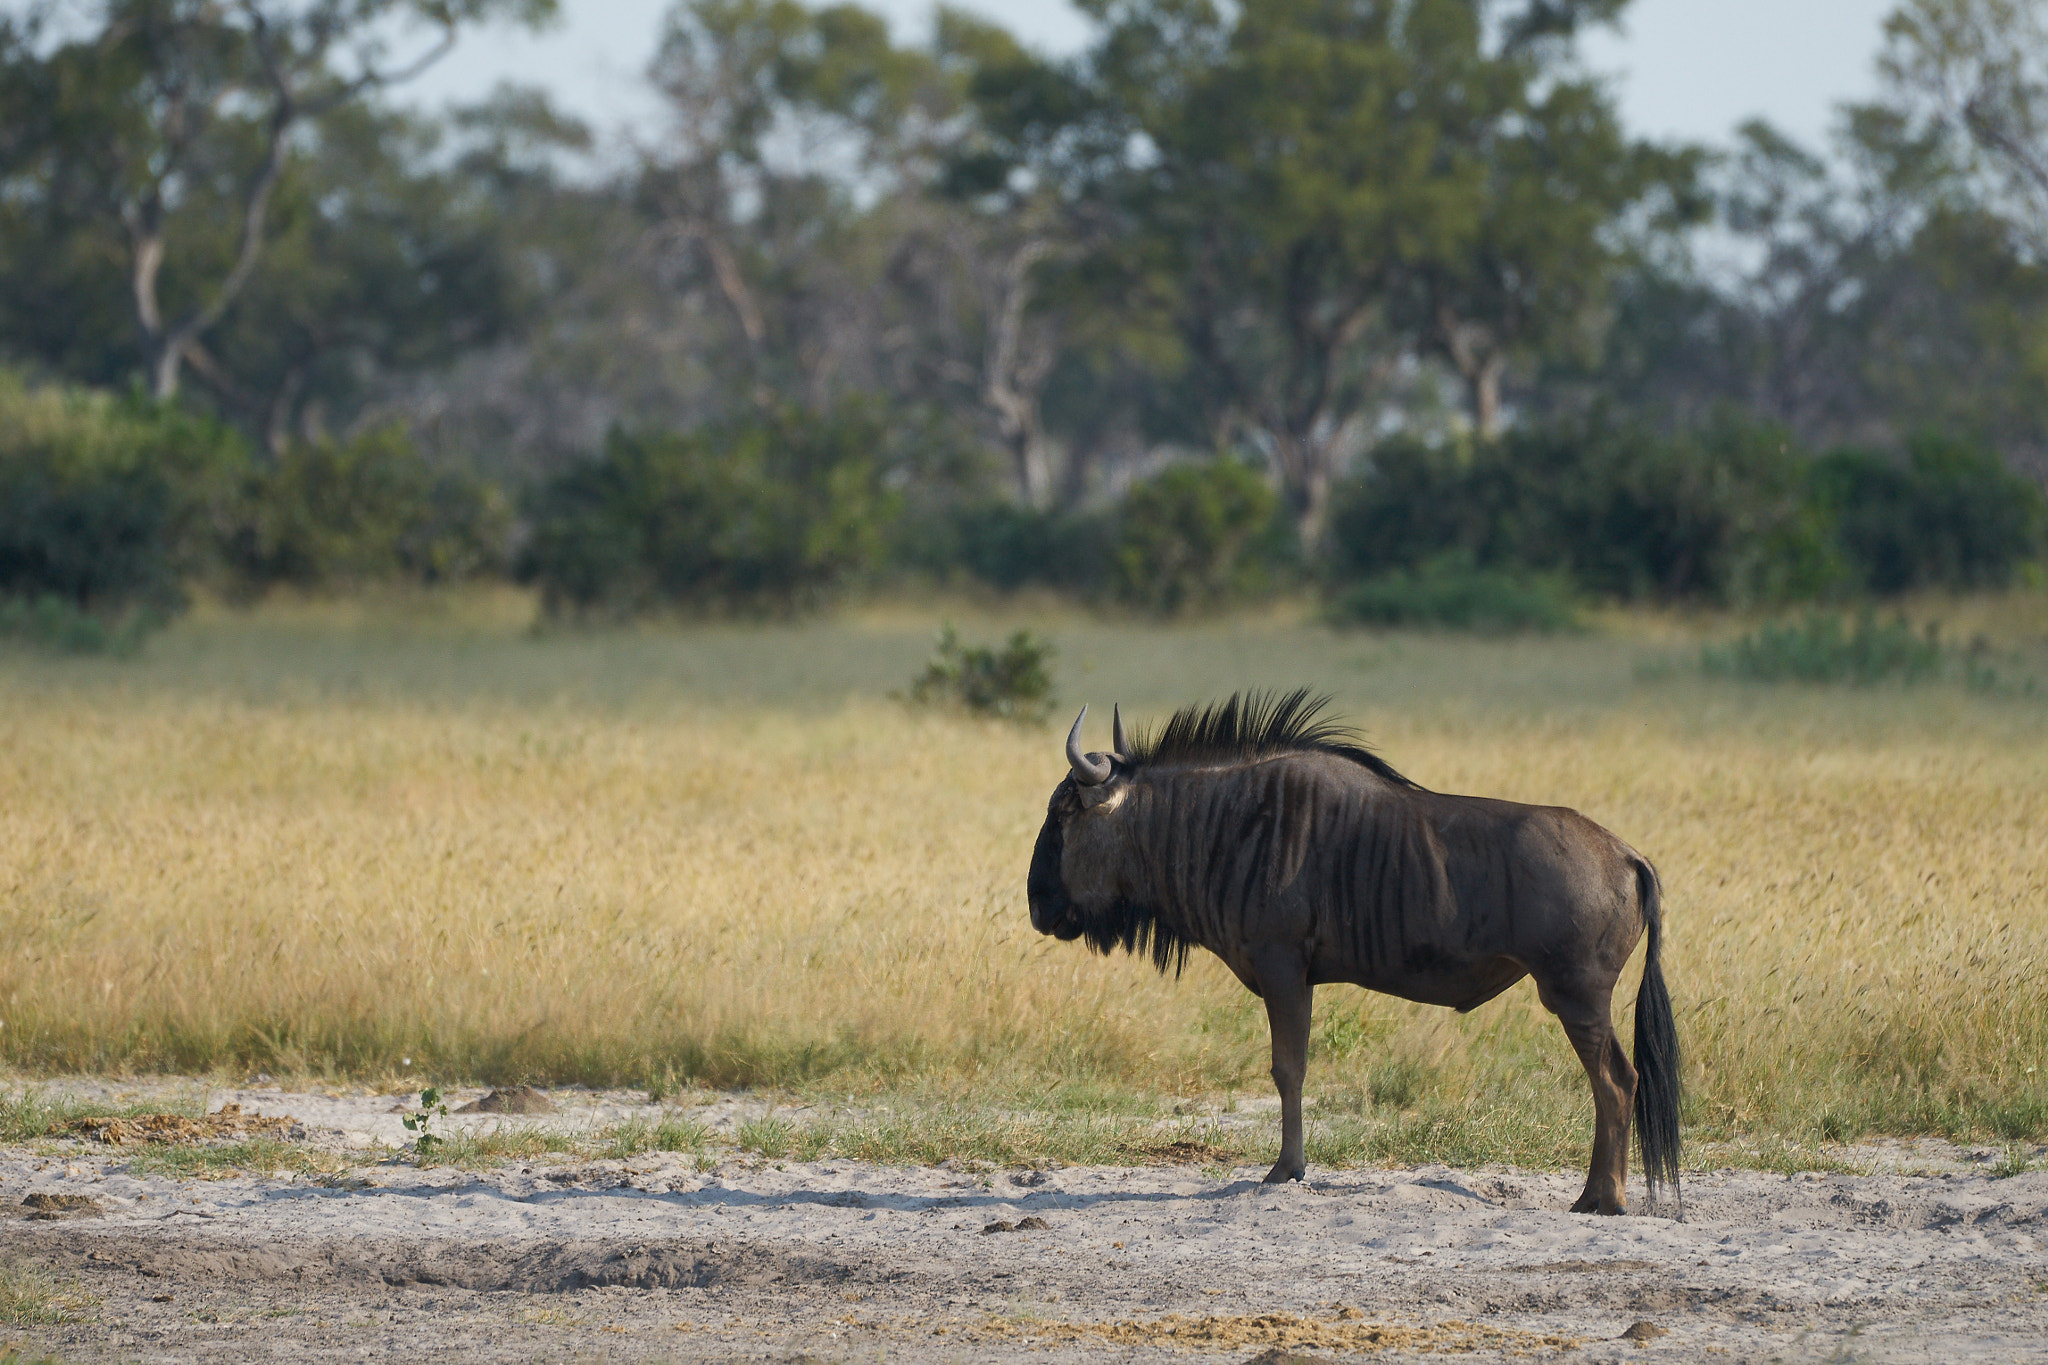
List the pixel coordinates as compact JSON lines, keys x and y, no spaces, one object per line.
{"x":1123,"y":746}
{"x":1090,"y":770}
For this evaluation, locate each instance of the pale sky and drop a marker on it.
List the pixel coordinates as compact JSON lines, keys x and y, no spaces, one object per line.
{"x":1690,"y":69}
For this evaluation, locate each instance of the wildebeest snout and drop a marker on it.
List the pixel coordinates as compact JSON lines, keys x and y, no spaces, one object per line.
{"x":1052,"y":909}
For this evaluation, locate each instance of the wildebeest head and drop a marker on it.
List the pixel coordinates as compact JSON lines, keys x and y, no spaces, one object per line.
{"x":1075,"y":886}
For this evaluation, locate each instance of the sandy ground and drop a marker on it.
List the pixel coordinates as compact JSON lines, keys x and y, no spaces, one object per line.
{"x":1927,"y":1257}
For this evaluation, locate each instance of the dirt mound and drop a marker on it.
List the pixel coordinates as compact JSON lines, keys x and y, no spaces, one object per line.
{"x":226,"y":1122}
{"x":48,"y":1208}
{"x":520,"y":1099}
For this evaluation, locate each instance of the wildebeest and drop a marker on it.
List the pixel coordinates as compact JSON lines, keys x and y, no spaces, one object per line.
{"x":1277,"y":841}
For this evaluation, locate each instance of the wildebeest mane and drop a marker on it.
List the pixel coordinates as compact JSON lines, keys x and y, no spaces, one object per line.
{"x":1256,"y":725}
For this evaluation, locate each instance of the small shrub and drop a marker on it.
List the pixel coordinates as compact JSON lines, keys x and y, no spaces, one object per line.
{"x":1196,"y":537}
{"x":1819,"y":648}
{"x":1013,"y":683}
{"x":1450,"y":591}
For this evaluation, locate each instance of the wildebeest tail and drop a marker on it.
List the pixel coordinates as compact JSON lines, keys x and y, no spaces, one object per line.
{"x":1657,"y":1084}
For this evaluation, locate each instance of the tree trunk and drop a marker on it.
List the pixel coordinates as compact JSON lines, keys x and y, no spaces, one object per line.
{"x":1305,"y":478}
{"x":165,"y":369}
{"x":1484,"y":385}
{"x":1015,"y":370}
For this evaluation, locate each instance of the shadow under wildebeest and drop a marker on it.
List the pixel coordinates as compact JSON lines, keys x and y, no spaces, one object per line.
{"x":1272,"y":838}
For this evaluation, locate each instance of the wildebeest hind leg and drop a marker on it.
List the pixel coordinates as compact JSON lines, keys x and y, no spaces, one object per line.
{"x":1289,"y":1002}
{"x":1591,"y":1030}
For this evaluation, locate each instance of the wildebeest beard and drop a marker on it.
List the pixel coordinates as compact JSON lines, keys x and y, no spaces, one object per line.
{"x":1137,"y":929}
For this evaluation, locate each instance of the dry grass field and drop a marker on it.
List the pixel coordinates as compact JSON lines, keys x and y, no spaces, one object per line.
{"x":412,"y":839}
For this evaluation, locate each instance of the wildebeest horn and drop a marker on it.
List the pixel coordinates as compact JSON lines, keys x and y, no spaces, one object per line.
{"x":1116,"y":726}
{"x":1088,"y":771}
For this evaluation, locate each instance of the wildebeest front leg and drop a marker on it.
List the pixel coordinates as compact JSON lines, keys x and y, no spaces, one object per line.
{"x":1289,"y":1001}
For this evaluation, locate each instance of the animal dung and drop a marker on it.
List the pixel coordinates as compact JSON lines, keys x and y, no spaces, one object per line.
{"x":1642,"y":1333}
{"x":1032,"y":1224}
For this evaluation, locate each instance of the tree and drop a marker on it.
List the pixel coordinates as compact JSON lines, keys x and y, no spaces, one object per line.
{"x":1877,"y":296}
{"x":395,"y":249}
{"x":1980,"y":67}
{"x":1540,"y":267}
{"x":1302,"y":178}
{"x":177,"y":120}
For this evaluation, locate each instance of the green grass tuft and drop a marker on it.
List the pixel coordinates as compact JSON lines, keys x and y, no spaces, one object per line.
{"x":30,"y":1298}
{"x":224,"y":1160}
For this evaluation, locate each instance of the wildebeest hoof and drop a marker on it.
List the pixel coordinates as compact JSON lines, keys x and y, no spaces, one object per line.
{"x":1282,"y":1173}
{"x":1591,"y":1203}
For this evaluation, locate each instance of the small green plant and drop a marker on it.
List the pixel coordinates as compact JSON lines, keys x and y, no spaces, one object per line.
{"x":2011,"y":1162}
{"x":1013,"y":683}
{"x":1452,"y":592}
{"x":430,"y":1109}
{"x":1822,"y":648}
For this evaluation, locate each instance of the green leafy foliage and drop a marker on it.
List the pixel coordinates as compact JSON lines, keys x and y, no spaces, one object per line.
{"x":1450,"y":590}
{"x":766,"y":514}
{"x":1012,"y":683}
{"x":1821,"y":648}
{"x":106,"y":507}
{"x":1197,"y":536}
{"x":1009,"y":546}
{"x":426,"y":1141}
{"x":370,"y":509}
{"x":1947,"y":515}
{"x":1306,"y":166}
{"x":1736,"y":513}
{"x":1718,"y":516}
